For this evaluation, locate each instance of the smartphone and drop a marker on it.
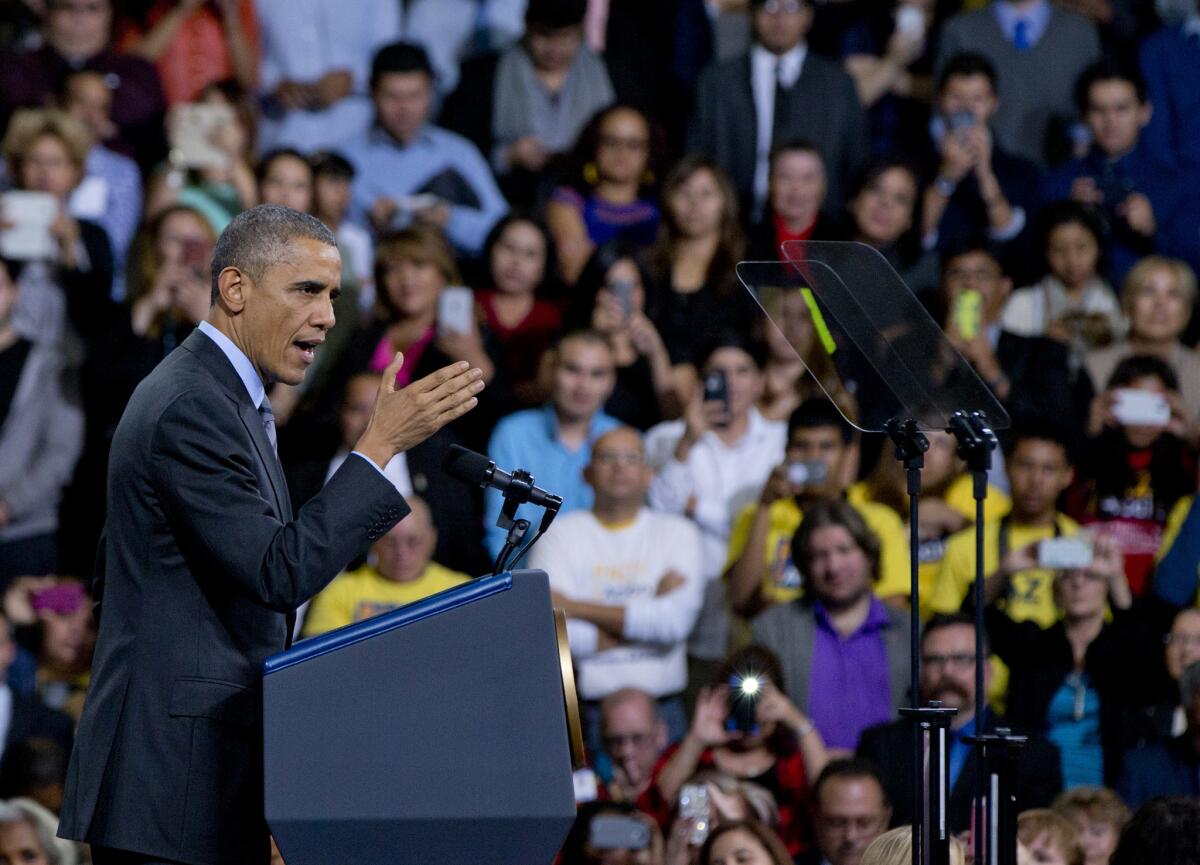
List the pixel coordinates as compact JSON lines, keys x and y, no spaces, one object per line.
{"x":802,"y":472}
{"x":622,"y":290}
{"x":1141,"y":408}
{"x":962,"y":120}
{"x":967,"y":314}
{"x":695,"y":808}
{"x":456,"y":309}
{"x":716,"y":388}
{"x":1060,"y":554}
{"x":743,"y":706}
{"x":910,"y":21}
{"x":619,"y":832}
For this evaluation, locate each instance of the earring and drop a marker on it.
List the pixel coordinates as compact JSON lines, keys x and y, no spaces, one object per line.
{"x":591,"y":174}
{"x":648,"y":178}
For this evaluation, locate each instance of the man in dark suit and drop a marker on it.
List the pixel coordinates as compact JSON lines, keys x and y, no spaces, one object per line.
{"x":777,"y":92}
{"x":203,"y":562}
{"x":975,"y":186}
{"x":948,"y":675}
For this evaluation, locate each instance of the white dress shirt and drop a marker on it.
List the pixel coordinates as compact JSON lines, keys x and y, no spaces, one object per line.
{"x":765,"y":69}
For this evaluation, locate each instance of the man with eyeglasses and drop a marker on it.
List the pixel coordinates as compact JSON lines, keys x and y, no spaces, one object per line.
{"x":77,"y":35}
{"x":776,"y":92}
{"x":629,"y":580}
{"x":948,"y":676}
{"x":634,"y":736}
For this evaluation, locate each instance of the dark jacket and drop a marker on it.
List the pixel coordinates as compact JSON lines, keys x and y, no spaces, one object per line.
{"x":1116,"y":664}
{"x":200,"y":570}
{"x":1168,"y":768}
{"x":889,"y":746}
{"x":822,"y":107}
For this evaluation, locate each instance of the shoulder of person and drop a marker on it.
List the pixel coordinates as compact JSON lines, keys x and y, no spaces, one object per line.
{"x":458,"y":146}
{"x":661,"y":522}
{"x":878,"y":517}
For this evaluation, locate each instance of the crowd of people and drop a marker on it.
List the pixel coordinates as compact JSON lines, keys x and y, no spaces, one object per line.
{"x":560,"y":193}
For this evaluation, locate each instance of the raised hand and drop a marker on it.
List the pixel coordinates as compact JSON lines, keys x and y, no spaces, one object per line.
{"x":404,"y":418}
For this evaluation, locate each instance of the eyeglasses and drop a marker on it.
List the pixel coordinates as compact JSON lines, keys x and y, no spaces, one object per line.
{"x":961,"y":660}
{"x":610,"y":458}
{"x":637,"y":740}
{"x":774,"y":7}
{"x":615,"y":142}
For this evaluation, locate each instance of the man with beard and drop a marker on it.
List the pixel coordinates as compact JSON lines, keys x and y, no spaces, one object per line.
{"x":948,"y":676}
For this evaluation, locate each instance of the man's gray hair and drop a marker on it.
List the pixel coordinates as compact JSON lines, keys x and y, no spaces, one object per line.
{"x":12,"y":812}
{"x":257,"y":239}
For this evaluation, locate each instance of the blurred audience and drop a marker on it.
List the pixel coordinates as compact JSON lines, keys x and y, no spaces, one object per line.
{"x":843,"y":652}
{"x":948,"y":676}
{"x":629,"y":581}
{"x":399,"y":570}
{"x":412,"y":171}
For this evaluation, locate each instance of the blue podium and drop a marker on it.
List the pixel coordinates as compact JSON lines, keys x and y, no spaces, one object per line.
{"x":444,"y":731}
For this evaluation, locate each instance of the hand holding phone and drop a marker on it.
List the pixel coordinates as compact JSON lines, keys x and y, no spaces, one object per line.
{"x":1132,"y":407}
{"x":456,"y":309}
{"x":967,"y":315}
{"x":1063,"y":554}
{"x":694,"y":807}
{"x":716,"y":389}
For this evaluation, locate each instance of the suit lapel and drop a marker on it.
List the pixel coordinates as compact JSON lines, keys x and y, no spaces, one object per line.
{"x":252,"y":421}
{"x":217,"y":364}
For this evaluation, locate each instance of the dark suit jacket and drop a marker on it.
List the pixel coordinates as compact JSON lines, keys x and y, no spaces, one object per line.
{"x":822,"y":107}
{"x":1163,"y":769}
{"x":201,"y":566}
{"x":889,"y":746}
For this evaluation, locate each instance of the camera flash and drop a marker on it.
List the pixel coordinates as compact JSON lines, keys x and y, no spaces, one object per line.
{"x":750,"y":686}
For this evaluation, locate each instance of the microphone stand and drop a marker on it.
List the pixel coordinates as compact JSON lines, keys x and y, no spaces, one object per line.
{"x":517,"y":493}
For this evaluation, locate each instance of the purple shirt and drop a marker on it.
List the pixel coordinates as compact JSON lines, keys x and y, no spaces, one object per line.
{"x":848,"y":686}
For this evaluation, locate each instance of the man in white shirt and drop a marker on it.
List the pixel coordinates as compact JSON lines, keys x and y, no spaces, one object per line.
{"x":711,"y":465}
{"x":629,"y":581}
{"x":316,"y":59}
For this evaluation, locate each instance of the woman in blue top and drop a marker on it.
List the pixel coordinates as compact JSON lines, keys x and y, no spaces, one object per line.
{"x":611,"y":198}
{"x":1079,"y":681}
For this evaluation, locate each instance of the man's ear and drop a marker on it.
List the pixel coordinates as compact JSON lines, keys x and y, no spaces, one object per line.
{"x":231,"y":289}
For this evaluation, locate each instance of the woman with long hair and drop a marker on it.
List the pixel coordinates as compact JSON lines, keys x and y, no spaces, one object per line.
{"x":608,"y":197}
{"x":699,"y":245}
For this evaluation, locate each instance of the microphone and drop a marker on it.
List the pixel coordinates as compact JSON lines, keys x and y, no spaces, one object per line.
{"x":477,"y":469}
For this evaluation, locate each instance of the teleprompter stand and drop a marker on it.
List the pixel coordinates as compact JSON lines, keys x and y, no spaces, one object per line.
{"x":892,"y":361}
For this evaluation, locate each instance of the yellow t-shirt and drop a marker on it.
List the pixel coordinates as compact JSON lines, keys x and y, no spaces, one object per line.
{"x":1031,"y":593}
{"x":361,"y":594}
{"x":781,"y":579}
{"x":959,"y":496}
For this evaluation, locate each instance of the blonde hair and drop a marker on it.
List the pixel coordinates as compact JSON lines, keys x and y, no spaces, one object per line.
{"x":894,"y":847}
{"x":1180,"y":272}
{"x":1034,"y":823}
{"x":30,"y":124}
{"x":1096,"y":803}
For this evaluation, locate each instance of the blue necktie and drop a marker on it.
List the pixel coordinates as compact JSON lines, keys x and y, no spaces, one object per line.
{"x":1021,"y":35}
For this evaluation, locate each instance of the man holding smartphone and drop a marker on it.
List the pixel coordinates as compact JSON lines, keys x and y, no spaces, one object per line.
{"x":977,"y":187}
{"x":760,"y":570}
